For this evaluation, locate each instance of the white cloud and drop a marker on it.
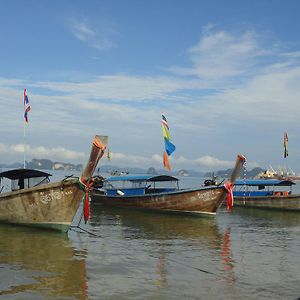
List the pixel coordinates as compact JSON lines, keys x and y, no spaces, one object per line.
{"x":97,"y":37}
{"x":120,"y":87}
{"x":206,"y":162}
{"x":210,"y":161}
{"x":56,"y":153}
{"x":82,"y":31}
{"x":221,"y":55}
{"x":3,"y":149}
{"x":209,"y":118}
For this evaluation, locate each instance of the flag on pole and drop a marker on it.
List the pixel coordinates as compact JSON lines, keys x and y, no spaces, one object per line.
{"x":285,"y":145}
{"x":166,"y":161}
{"x":169,"y":147}
{"x":26,"y":106}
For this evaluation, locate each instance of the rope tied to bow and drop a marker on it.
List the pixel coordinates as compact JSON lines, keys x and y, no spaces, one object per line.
{"x":86,"y":186}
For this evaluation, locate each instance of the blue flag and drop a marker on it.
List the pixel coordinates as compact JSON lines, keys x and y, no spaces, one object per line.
{"x":170,"y":148}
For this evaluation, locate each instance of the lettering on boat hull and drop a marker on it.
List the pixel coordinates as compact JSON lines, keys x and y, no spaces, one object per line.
{"x":46,"y":197}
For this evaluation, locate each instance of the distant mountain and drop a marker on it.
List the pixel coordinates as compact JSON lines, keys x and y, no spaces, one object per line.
{"x":227,"y":173}
{"x":44,"y":164}
{"x":113,"y":169}
{"x":183,"y":173}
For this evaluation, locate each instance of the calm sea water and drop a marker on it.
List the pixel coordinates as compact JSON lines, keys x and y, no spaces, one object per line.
{"x":248,"y":254}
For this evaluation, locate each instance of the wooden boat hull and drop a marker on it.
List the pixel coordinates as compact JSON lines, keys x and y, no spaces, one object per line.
{"x":290,"y":202}
{"x":193,"y":201}
{"x":52,"y":205}
{"x":49,"y":205}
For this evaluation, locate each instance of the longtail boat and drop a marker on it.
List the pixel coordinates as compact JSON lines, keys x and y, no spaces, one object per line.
{"x":266,"y":194}
{"x":155,"y":193}
{"x":35,"y":201}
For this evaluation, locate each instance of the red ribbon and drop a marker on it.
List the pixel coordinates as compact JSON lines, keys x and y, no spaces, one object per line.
{"x":86,"y":205}
{"x":228,"y":187}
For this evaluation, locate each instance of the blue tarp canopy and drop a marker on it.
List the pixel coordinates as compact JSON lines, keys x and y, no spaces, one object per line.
{"x":144,"y":177}
{"x":266,"y":182}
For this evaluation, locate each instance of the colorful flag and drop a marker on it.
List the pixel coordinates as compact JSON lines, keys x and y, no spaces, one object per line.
{"x":166,"y":161}
{"x":26,"y":106}
{"x":164,"y":121}
{"x":169,"y":147}
{"x":285,"y":145}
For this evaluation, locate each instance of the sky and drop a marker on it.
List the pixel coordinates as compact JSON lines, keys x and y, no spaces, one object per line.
{"x":226,"y":74}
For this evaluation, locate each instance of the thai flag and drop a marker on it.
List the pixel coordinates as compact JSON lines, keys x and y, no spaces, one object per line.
{"x":26,"y":106}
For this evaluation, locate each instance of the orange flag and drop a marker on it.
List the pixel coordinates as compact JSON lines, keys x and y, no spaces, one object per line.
{"x":166,"y":161}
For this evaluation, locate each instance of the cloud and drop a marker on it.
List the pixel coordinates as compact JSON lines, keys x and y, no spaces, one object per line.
{"x":121,"y":87}
{"x":222,"y":55}
{"x":205,"y":162}
{"x":56,"y":153}
{"x":225,"y":101}
{"x":210,"y":161}
{"x":96,"y":37}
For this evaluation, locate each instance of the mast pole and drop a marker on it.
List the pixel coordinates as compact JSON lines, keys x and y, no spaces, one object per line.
{"x":24,"y":143}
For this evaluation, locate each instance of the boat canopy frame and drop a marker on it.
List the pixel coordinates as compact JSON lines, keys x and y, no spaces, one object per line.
{"x":21,"y":178}
{"x":138,"y":184}
{"x":23,"y":173}
{"x":266,"y":182}
{"x":144,"y":177}
{"x":262,"y":187}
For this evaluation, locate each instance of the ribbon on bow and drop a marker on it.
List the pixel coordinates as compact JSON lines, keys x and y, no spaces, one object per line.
{"x":86,"y":186}
{"x":228,"y":187}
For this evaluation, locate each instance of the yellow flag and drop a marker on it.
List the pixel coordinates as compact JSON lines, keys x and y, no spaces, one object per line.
{"x":166,"y":132}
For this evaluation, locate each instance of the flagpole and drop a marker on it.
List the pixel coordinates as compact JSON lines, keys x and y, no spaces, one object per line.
{"x":26,"y":110}
{"x":24,"y":142}
{"x":285,"y":145}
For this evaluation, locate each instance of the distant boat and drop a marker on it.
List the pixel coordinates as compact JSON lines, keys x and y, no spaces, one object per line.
{"x":270,"y":173}
{"x":266,"y":194}
{"x":34,"y":201}
{"x":155,"y":193}
{"x":286,"y":174}
{"x":282,"y":174}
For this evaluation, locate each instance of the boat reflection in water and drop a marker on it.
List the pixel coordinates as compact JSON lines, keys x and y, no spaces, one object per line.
{"x":35,"y":265}
{"x":157,"y":235}
{"x":153,"y":225}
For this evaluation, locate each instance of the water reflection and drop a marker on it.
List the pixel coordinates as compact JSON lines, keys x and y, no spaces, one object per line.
{"x":37,"y":264}
{"x":172,"y":240}
{"x":151,"y":225}
{"x":161,"y":270}
{"x":272,"y":217}
{"x":226,"y":256}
